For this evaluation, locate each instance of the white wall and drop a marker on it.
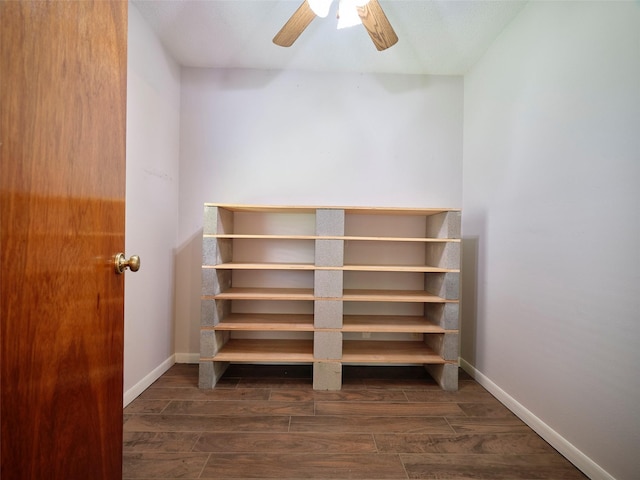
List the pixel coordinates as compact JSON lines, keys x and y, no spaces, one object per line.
{"x":288,"y":138}
{"x":551,"y":223}
{"x":153,"y":116}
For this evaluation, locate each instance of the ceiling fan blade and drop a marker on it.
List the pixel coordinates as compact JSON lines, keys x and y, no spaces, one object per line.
{"x":291,"y":30}
{"x":377,"y":25}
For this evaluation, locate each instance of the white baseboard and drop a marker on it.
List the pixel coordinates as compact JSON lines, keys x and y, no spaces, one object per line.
{"x":131,"y":394}
{"x":557,"y":441}
{"x":187,"y":358}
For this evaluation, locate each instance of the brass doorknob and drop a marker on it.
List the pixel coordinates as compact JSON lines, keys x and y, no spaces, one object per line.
{"x":121,"y":263}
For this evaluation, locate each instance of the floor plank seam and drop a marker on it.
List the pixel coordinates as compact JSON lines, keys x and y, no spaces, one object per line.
{"x":204,"y":466}
{"x":453,"y":430}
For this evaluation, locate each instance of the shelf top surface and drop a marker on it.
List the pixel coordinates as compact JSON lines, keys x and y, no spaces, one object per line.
{"x":257,"y":236}
{"x":348,"y":295}
{"x":345,"y":267}
{"x":350,"y":210}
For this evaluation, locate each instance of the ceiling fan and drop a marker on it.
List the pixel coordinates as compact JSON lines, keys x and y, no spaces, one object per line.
{"x":367,"y":12}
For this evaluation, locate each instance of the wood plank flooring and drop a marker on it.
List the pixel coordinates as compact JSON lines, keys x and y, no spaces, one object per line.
{"x":267,"y":422}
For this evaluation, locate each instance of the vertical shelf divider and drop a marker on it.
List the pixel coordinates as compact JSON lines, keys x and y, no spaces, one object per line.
{"x":328,"y":310}
{"x":217,"y":220}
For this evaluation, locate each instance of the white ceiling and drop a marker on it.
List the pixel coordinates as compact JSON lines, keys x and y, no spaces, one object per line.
{"x":440,"y":37}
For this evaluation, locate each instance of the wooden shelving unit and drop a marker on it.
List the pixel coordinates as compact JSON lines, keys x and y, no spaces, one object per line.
{"x":378,"y":286}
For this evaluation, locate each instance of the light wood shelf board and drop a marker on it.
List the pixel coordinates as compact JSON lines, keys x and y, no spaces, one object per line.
{"x":250,"y":350}
{"x":349,"y":295}
{"x":310,"y":266}
{"x":397,"y":239}
{"x":264,"y":208}
{"x":398,"y":268}
{"x":237,"y":293}
{"x":356,"y":351}
{"x":347,"y":209}
{"x":396,"y":211}
{"x":389,"y":324}
{"x":411,"y":296}
{"x":262,"y":266}
{"x":258,"y":236}
{"x":266,"y":322}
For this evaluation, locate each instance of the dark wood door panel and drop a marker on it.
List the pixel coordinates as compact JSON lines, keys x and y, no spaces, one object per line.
{"x":62,"y":186}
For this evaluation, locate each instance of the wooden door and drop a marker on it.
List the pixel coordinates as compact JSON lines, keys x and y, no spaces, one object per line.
{"x":62,"y":186}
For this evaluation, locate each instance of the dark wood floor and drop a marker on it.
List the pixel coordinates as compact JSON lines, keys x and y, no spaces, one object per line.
{"x":386,"y":423}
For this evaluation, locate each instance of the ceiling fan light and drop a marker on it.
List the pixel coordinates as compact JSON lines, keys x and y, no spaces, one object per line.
{"x":320,"y":7}
{"x":348,"y":13}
